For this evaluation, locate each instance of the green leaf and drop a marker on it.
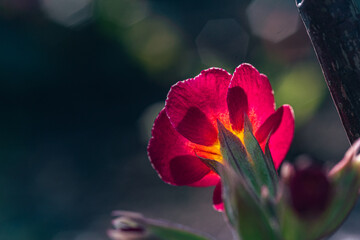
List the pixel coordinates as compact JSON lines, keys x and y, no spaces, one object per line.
{"x":263,"y":169}
{"x":133,"y":226}
{"x":234,"y":153}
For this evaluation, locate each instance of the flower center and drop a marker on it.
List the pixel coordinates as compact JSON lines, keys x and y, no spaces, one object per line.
{"x":213,"y":152}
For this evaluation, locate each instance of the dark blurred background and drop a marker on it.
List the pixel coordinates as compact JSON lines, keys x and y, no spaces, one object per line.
{"x":81,"y":82}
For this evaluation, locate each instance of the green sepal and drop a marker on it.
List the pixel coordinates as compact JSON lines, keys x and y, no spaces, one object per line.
{"x":235,"y":154}
{"x":270,"y":164}
{"x":248,"y":217}
{"x":262,"y":164}
{"x":212,"y":164}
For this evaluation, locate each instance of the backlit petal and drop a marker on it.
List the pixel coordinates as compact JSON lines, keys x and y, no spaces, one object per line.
{"x":238,"y":106}
{"x":197,"y":127}
{"x":194,"y":105}
{"x":271,"y":124}
{"x":173,"y":158}
{"x":259,"y":93}
{"x":280,"y":139}
{"x":217,"y":198}
{"x":210,"y":179}
{"x":187,"y":169}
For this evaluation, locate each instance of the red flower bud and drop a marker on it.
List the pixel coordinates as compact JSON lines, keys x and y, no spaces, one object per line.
{"x":310,"y":190}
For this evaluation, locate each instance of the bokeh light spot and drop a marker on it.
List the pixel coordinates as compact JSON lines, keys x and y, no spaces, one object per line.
{"x":154,"y":42}
{"x":68,"y":12}
{"x":123,"y":13}
{"x":273,"y":20}
{"x":303,"y":88}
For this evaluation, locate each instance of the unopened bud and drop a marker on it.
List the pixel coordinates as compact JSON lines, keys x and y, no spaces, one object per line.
{"x":320,"y":201}
{"x":310,"y":191}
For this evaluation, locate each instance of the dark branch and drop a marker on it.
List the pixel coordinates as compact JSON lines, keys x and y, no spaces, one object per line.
{"x":334,"y":29}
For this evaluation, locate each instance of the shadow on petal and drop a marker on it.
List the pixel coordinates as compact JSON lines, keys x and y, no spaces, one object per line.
{"x":196,"y":127}
{"x":238,"y":106}
{"x":187,"y":169}
{"x":271,"y":124}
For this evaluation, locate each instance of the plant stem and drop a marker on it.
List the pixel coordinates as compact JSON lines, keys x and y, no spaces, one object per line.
{"x":334,"y":29}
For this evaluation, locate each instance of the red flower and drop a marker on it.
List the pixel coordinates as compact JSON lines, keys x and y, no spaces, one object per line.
{"x":186,"y":128}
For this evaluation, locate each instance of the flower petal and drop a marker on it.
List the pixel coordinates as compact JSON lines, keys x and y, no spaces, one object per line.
{"x":217,"y":198}
{"x":238,"y":106}
{"x":196,"y":127}
{"x":194,"y":105}
{"x":210,"y":179}
{"x":187,"y":169}
{"x":280,"y":139}
{"x":260,"y":96}
{"x":172,"y":157}
{"x":271,"y":124}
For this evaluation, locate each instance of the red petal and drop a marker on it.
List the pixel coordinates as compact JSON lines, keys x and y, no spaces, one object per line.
{"x":238,"y":105}
{"x":187,"y":169}
{"x":211,"y":179}
{"x":271,"y":124}
{"x":259,"y":93}
{"x":217,"y":198}
{"x":169,"y":151}
{"x":194,"y":105}
{"x":281,"y":139}
{"x":196,"y":127}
